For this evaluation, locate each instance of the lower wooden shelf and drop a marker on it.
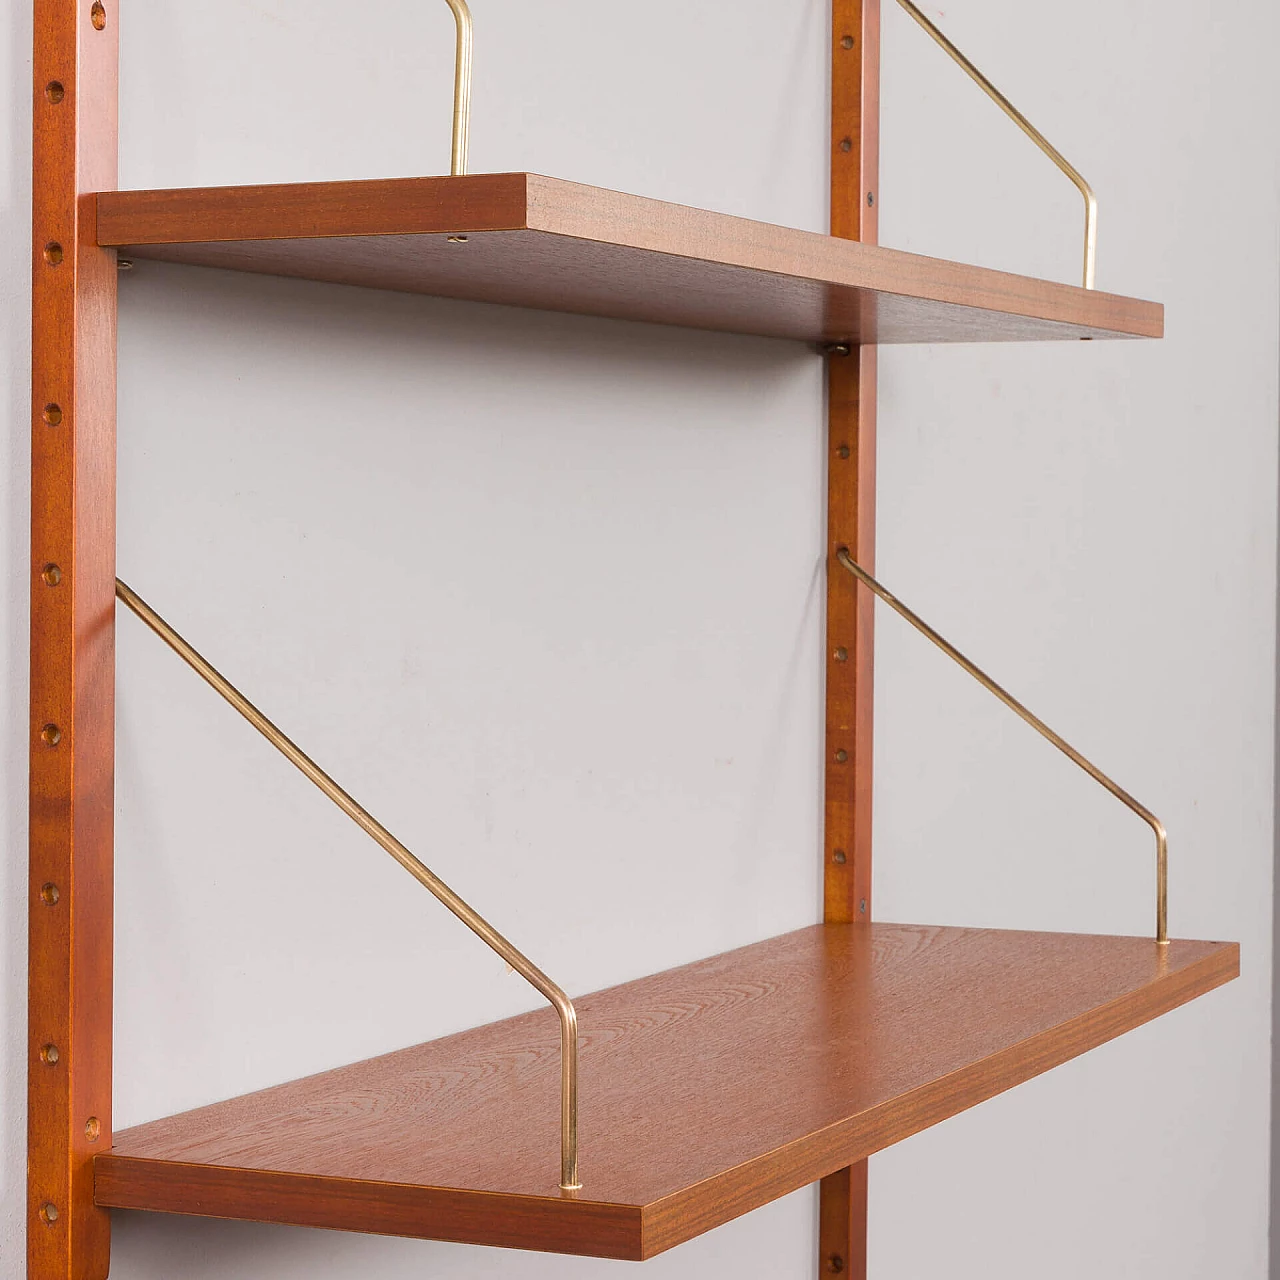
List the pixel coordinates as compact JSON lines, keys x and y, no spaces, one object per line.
{"x":706,"y":1091}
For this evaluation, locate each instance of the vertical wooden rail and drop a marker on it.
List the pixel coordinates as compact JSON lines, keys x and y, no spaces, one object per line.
{"x":851,"y":479}
{"x":72,"y":638}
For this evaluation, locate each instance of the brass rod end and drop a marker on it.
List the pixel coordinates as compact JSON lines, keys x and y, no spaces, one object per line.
{"x":461,"y":87}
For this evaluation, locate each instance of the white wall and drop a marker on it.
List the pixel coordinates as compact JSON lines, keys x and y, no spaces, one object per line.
{"x":546,"y":594}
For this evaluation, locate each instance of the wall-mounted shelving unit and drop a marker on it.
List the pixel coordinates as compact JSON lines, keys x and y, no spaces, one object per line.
{"x":706,"y":1091}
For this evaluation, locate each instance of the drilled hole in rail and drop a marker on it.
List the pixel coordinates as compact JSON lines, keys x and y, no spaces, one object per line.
{"x":55,"y":91}
{"x":49,"y":894}
{"x":53,"y":414}
{"x":98,"y":16}
{"x":53,"y":253}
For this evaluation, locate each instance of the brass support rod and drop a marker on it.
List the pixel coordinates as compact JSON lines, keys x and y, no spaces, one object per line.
{"x":419,"y":871}
{"x":461,"y":87}
{"x":1162,"y":843}
{"x":1090,"y":200}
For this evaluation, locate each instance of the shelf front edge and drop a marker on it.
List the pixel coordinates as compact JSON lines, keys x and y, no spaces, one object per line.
{"x":699,"y":1209}
{"x":565,"y":1225}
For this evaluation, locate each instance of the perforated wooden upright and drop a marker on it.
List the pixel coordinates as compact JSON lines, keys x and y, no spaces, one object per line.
{"x":791,"y":1060}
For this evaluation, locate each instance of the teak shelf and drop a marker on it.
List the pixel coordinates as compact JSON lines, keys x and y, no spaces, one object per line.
{"x":706,"y":1091}
{"x":560,"y":246}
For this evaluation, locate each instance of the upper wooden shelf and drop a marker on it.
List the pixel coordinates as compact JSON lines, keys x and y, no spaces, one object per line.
{"x":706,"y":1091}
{"x":559,"y":246}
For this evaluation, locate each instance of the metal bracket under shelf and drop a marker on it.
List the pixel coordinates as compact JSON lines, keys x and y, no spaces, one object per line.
{"x":569,"y":1179}
{"x":461,"y":87}
{"x":1090,"y":200}
{"x":563,"y":1006}
{"x":1162,"y":842}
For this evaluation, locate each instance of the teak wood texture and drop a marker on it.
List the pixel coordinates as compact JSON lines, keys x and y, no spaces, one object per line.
{"x":707,"y":1091}
{"x":72,"y":571}
{"x":851,"y":523}
{"x":538,"y":242}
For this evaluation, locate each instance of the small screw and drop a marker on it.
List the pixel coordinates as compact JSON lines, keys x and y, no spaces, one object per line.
{"x":871,"y":199}
{"x":837,"y":349}
{"x":53,"y":414}
{"x":846,"y":42}
{"x":124,"y":264}
{"x":49,"y":1212}
{"x":98,"y":16}
{"x":842,"y":451}
{"x":458,"y":239}
{"x":49,"y":894}
{"x":839,"y":857}
{"x":51,"y":574}
{"x":53,"y":253}
{"x":93,"y":1128}
{"x":49,"y":1055}
{"x":841,"y":756}
{"x":862,"y":906}
{"x":842,"y":655}
{"x":51,"y":735}
{"x":835,"y":1264}
{"x":846,"y":144}
{"x":54,"y":91}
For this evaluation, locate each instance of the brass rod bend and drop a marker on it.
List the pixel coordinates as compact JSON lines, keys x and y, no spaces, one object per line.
{"x":1090,"y":200}
{"x":418,"y":870}
{"x":461,"y":86}
{"x":1157,"y":827}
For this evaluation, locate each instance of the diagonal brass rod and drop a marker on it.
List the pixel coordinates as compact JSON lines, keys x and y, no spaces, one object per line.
{"x":419,"y":871}
{"x":1162,"y":842}
{"x":461,"y":86}
{"x":1090,"y":200}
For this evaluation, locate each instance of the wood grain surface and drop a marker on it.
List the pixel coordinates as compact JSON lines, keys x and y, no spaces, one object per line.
{"x":851,"y":523}
{"x":706,"y":1091}
{"x":72,"y":570}
{"x":539,"y":242}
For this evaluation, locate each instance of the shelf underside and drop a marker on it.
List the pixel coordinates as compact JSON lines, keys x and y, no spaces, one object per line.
{"x":560,"y":246}
{"x":706,"y":1091}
